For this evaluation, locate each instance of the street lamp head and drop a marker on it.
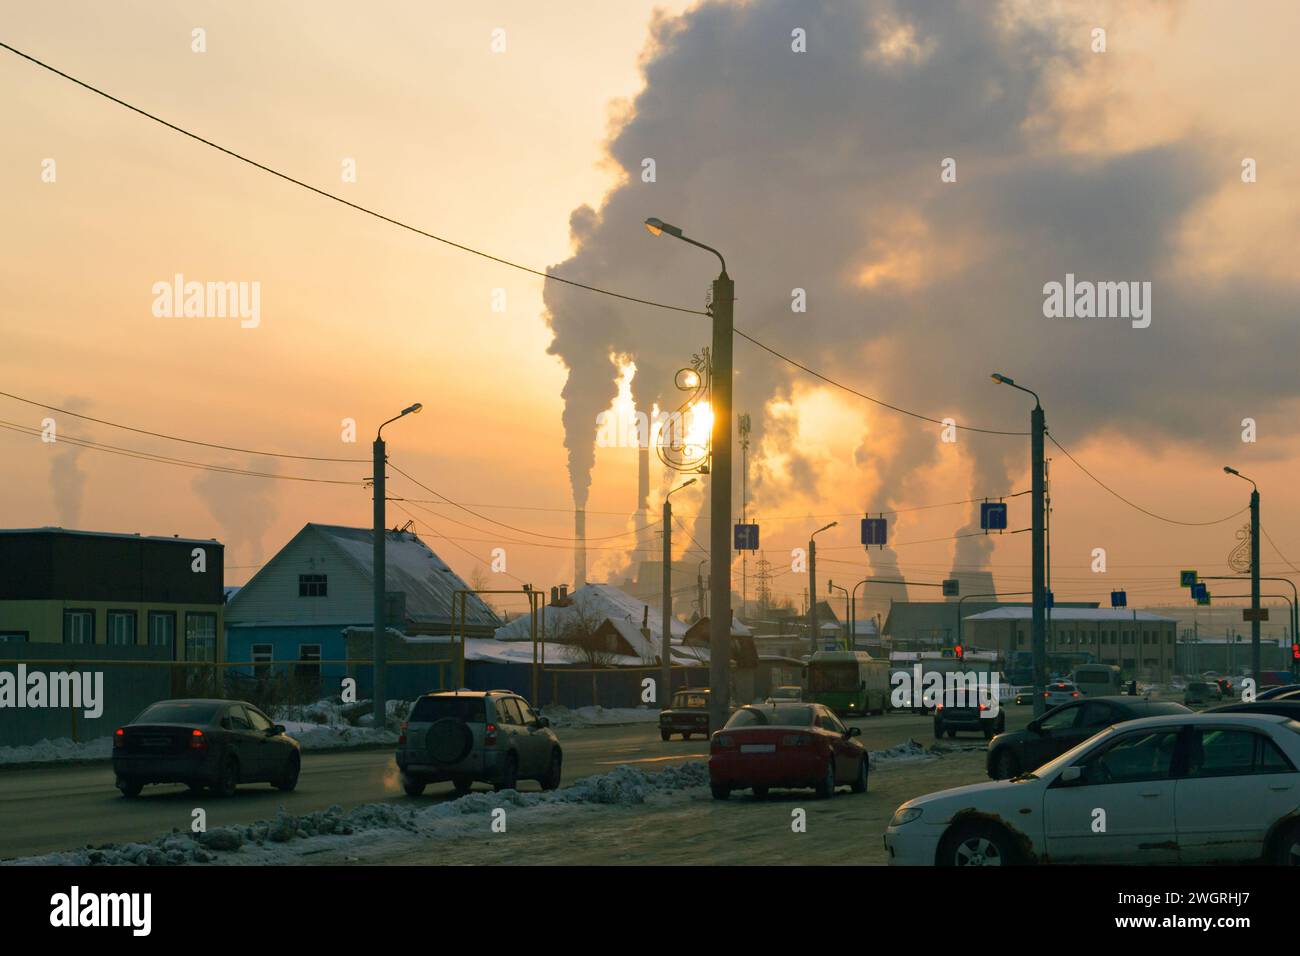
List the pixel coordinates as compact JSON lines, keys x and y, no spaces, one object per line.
{"x":1002,"y":379}
{"x":689,"y":481}
{"x":657,"y":227}
{"x":412,"y":409}
{"x":1231,"y":471}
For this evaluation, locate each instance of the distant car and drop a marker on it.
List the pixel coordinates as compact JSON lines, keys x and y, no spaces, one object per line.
{"x":204,"y":743}
{"x":973,"y":710}
{"x":1064,"y":727}
{"x":1283,"y":692}
{"x":1060,"y":692}
{"x":688,"y":715}
{"x":1230,"y":778}
{"x":477,"y":736}
{"x":786,"y":694}
{"x":786,"y":745}
{"x":1201,"y":692}
{"x":1024,"y":695}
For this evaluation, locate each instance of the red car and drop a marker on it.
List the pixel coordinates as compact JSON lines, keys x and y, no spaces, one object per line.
{"x":786,"y":745}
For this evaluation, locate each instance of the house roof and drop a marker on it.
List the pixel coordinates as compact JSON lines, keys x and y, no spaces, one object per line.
{"x":134,"y":536}
{"x":1060,"y":613}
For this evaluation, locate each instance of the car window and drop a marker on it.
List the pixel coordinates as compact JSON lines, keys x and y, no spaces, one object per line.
{"x":236,"y":720}
{"x":429,"y":709}
{"x":1062,"y":719}
{"x":1232,"y":753}
{"x":508,"y":711}
{"x":691,"y":702}
{"x":1097,"y":714}
{"x":829,"y":721}
{"x":525,"y":711}
{"x":258,"y":721}
{"x":177,"y":712}
{"x":1137,"y":756}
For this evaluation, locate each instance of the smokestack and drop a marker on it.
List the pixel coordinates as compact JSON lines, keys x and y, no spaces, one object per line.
{"x":643,"y":487}
{"x":580,"y":548}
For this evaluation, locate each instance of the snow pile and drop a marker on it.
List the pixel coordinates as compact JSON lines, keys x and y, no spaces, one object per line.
{"x":911,"y":750}
{"x":597,"y":716}
{"x":289,"y":838}
{"x":59,"y":749}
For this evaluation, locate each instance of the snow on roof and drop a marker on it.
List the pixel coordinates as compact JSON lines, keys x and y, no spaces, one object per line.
{"x":411,"y":567}
{"x":598,"y":602}
{"x":1070,"y":614}
{"x":517,"y":652}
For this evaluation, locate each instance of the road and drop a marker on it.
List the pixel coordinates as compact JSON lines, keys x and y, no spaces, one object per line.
{"x":65,"y":807}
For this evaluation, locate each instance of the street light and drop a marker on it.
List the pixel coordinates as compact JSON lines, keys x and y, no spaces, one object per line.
{"x":812,"y":587}
{"x":1037,"y":430}
{"x":723,"y":301}
{"x":666,"y":640}
{"x":378,"y":626}
{"x":1254,"y":570}
{"x":831,"y":588}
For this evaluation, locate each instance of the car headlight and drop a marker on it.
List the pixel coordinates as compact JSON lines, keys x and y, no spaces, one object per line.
{"x":904,"y":815}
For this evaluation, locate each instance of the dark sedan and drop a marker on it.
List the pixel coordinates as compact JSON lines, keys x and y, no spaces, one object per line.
{"x":204,"y":743}
{"x":1065,"y":726}
{"x":1282,"y":707}
{"x":1284,"y":692}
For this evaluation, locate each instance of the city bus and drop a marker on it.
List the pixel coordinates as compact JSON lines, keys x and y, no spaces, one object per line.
{"x":849,"y":682}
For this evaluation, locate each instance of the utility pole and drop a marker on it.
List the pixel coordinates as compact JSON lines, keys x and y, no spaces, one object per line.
{"x":812,"y":587}
{"x":379,"y":625}
{"x":1254,"y":571}
{"x":666,"y":638}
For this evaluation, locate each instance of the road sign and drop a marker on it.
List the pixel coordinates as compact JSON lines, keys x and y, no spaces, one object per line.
{"x":993,"y":515}
{"x":1200,"y":593}
{"x":1250,"y":614}
{"x":746,"y":537}
{"x":951,"y":587}
{"x":1119,"y":599}
{"x":874,"y":531}
{"x":1186,"y":579}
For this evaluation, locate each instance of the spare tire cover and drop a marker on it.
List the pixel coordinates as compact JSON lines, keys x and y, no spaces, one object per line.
{"x":449,"y":740}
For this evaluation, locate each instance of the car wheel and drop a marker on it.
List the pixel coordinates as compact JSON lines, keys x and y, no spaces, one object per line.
{"x":826,"y":788}
{"x":289,"y":779}
{"x":938,"y":730}
{"x":1286,"y":852}
{"x":462,"y":785}
{"x":1005,"y":764}
{"x":760,"y":793}
{"x":951,"y":734}
{"x":509,"y":779}
{"x":130,"y":788}
{"x":412,"y":785}
{"x":227,"y":778}
{"x":721,"y":791}
{"x":975,"y":844}
{"x":552,"y":779}
{"x":664,"y":734}
{"x":860,"y":781}
{"x":989,"y":732}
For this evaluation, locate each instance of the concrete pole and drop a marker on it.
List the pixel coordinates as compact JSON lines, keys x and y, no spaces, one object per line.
{"x":380,"y":651}
{"x":665,"y":646}
{"x":1038,"y":426}
{"x":812,"y":596}
{"x":1254,"y":584}
{"x":724,"y":292}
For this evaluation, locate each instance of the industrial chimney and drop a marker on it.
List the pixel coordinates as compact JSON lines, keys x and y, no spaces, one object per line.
{"x":579,"y":548}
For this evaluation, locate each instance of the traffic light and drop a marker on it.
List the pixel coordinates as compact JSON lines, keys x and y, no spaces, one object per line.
{"x":958,"y":651}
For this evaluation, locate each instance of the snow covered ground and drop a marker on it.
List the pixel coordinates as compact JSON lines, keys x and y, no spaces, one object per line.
{"x":292,"y":839}
{"x":597,"y":716}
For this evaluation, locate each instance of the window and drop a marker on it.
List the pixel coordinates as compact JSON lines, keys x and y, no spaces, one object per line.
{"x":828,"y":721}
{"x":78,"y":626}
{"x":525,"y":711}
{"x":263,"y":654}
{"x":235,"y":719}
{"x":200,"y":636}
{"x":508,"y":711}
{"x":121,"y":627}
{"x":312,"y":585}
{"x":13,"y":637}
{"x":257,"y":720}
{"x":1233,"y":753}
{"x":1062,"y":719}
{"x":308,"y":665}
{"x":1141,"y":755}
{"x":162,"y":630}
{"x":1098,"y":714}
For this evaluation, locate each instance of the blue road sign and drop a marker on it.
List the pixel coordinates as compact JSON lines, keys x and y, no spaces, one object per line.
{"x":1200,"y":593}
{"x":874,"y":531}
{"x":993,"y":515}
{"x":951,"y":587}
{"x":1119,"y":599}
{"x":1187,"y":579}
{"x":746,"y":537}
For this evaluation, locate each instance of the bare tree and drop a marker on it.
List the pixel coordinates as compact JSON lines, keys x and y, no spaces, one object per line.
{"x":579,"y":631}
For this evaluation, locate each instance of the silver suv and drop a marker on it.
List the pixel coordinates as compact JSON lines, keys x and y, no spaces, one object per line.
{"x":472,"y":735}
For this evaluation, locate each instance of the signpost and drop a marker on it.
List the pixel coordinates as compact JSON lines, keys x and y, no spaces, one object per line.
{"x":951,"y":587}
{"x":993,"y":515}
{"x":874,"y":531}
{"x":1119,"y":599}
{"x":746,"y":537}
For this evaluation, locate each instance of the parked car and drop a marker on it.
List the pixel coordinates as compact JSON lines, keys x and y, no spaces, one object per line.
{"x":472,"y":736}
{"x":1060,"y":692}
{"x":1024,"y":695}
{"x":1282,"y":691}
{"x":786,"y":745}
{"x":1230,"y":777}
{"x":1064,"y":727}
{"x":973,"y":710}
{"x":688,"y":715}
{"x":1201,"y":692}
{"x":1281,"y":707}
{"x":204,"y":743}
{"x":786,"y":694}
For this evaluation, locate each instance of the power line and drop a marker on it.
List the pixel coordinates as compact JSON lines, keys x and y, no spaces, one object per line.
{"x":1134,"y":505}
{"x":1284,"y":558}
{"x":436,"y":535}
{"x":188,"y":441}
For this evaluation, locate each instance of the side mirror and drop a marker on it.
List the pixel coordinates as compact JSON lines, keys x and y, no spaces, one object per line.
{"x":855,"y":731}
{"x":1035,"y":727}
{"x":542,"y":722}
{"x":275,"y":731}
{"x":1071,"y":775}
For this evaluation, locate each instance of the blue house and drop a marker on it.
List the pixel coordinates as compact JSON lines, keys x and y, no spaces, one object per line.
{"x":296,"y":607}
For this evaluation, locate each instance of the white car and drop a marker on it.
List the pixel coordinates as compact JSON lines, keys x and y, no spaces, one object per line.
{"x":1185,"y":788}
{"x":1060,"y":692}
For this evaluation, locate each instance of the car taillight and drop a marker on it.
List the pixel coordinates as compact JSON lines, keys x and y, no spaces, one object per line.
{"x":198,"y":741}
{"x":938,"y":707}
{"x":984,"y":706}
{"x":795,"y":740}
{"x":119,"y":739}
{"x":723,"y":742}
{"x":1075,"y":694}
{"x":401,"y":738}
{"x":490,"y":735}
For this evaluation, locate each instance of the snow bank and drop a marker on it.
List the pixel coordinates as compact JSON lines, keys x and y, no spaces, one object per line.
{"x":597,"y":716}
{"x":59,"y":749}
{"x":288,"y":838}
